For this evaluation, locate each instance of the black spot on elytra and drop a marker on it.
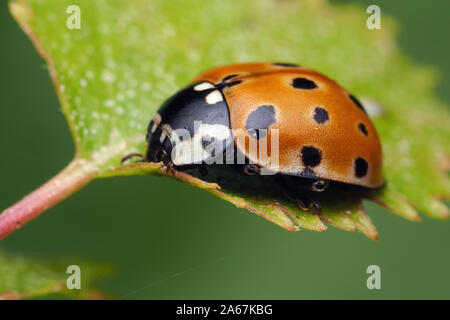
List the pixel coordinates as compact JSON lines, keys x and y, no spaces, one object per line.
{"x":303,"y":83}
{"x":311,"y":156}
{"x":283,"y":64}
{"x":259,"y":121}
{"x":357,"y":102}
{"x":363,"y":129}
{"x":321,"y":115}
{"x":231,"y":76}
{"x":361,"y":167}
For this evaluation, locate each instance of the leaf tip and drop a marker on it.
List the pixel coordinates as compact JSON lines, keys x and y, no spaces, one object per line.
{"x":438,"y":209}
{"x":396,"y":203}
{"x":364,"y":223}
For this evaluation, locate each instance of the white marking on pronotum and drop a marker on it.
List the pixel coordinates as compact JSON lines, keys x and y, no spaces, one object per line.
{"x":154,"y":126}
{"x":157,"y":118}
{"x":203,"y":86}
{"x":162,"y":137}
{"x":214,"y":97}
{"x":166,"y":128}
{"x":189,"y":150}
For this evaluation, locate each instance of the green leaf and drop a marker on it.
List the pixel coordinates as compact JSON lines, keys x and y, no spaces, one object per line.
{"x":22,"y":278}
{"x":113,"y":73}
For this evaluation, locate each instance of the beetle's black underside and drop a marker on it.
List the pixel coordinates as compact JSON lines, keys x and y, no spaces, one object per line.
{"x":278,"y":187}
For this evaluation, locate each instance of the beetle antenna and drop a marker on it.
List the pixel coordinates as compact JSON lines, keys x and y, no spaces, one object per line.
{"x":131,"y":155}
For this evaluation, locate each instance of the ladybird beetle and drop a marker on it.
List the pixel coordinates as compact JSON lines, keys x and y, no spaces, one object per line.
{"x":323,"y":133}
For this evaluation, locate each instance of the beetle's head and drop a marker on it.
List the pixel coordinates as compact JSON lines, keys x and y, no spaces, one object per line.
{"x":185,"y":123}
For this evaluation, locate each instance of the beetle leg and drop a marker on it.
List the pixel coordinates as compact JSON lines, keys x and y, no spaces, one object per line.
{"x":319,"y":185}
{"x":308,"y":204}
{"x":304,"y":202}
{"x":317,"y":209}
{"x":252,"y":169}
{"x":131,"y":155}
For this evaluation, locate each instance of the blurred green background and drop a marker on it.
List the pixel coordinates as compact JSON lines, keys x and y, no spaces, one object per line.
{"x":170,"y":240}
